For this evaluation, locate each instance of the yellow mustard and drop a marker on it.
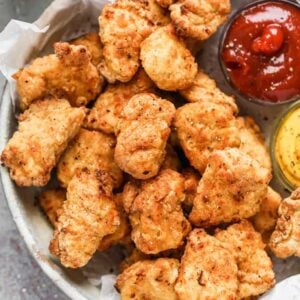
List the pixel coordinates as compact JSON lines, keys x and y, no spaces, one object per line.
{"x":287,"y":147}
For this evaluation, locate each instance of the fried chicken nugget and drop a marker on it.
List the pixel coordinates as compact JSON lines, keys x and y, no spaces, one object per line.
{"x":105,"y":114}
{"x":167,"y":61}
{"x":265,"y":220}
{"x":51,"y":202}
{"x":67,"y":74}
{"x":205,"y":88}
{"x":142,"y":135}
{"x":208,"y":270}
{"x":255,"y":274}
{"x":191,"y":181}
{"x":122,"y":234}
{"x":171,"y":160}
{"x":90,"y":149}
{"x":199,"y":19}
{"x":43,"y":134}
{"x":285,"y":240}
{"x":203,"y":127}
{"x":93,"y":44}
{"x":232,"y":188}
{"x":155,"y":214}
{"x":253,"y":142}
{"x":149,"y":280}
{"x":123,"y":26}
{"x":165,"y":3}
{"x":88,"y":215}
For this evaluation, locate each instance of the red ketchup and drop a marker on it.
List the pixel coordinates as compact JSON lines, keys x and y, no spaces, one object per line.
{"x":261,"y":51}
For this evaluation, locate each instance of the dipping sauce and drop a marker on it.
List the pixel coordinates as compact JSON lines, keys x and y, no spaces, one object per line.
{"x":287,"y":146}
{"x":261,"y":51}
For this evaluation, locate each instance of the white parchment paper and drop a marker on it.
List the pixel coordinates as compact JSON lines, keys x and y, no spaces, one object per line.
{"x":66,"y":19}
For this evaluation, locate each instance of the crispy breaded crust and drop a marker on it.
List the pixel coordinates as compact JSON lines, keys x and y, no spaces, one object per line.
{"x":205,"y":88}
{"x":208,"y":270}
{"x":43,"y":134}
{"x":67,"y":74}
{"x":155,"y":213}
{"x":253,"y":142}
{"x":232,"y":188}
{"x":123,"y":26}
{"x":285,"y":240}
{"x":165,"y":3}
{"x":173,"y":67}
{"x":92,"y":150}
{"x":203,"y":127}
{"x":142,"y":135}
{"x":88,"y":215}
{"x":255,"y":272}
{"x":265,"y":220}
{"x":191,"y":181}
{"x":51,"y":202}
{"x":149,"y":280}
{"x":199,"y":19}
{"x":93,"y":44}
{"x":106,"y":112}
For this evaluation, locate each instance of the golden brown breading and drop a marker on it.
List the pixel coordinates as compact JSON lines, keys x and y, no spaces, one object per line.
{"x":135,"y":256}
{"x":149,"y":280}
{"x":92,"y":150}
{"x":205,"y":88}
{"x":43,"y":134}
{"x":208,"y":270}
{"x":232,"y":188}
{"x":191,"y":181}
{"x":67,"y":74}
{"x":285,"y":240}
{"x":105,"y":114}
{"x":203,"y":127}
{"x":88,"y":215}
{"x":265,"y":220}
{"x":122,"y":234}
{"x":123,"y":26}
{"x":199,"y":19}
{"x":93,"y":43}
{"x":255,"y":274}
{"x":165,"y":3}
{"x":167,"y":61}
{"x":253,"y":142}
{"x":51,"y":202}
{"x":142,"y":135}
{"x":155,"y":214}
{"x":171,"y":160}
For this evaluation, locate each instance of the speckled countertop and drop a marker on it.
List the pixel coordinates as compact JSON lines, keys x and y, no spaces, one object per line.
{"x":20,"y":276}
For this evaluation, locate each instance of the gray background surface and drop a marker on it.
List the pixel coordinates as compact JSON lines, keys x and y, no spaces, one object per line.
{"x":20,"y":276}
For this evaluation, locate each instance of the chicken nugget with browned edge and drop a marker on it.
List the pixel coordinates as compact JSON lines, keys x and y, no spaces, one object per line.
{"x":92,"y":150}
{"x":199,"y":19}
{"x":43,"y":134}
{"x":203,"y":127}
{"x":155,"y":213}
{"x":167,"y":60}
{"x":51,"y":202}
{"x":123,"y":26}
{"x":93,"y":43}
{"x":208,"y":270}
{"x":231,"y":189}
{"x":265,"y":220}
{"x":285,"y":240}
{"x":253,"y":142}
{"x":105,"y":114}
{"x":134,"y":256}
{"x":149,"y":279}
{"x":205,"y":88}
{"x":67,"y":74}
{"x":88,"y":215}
{"x":255,"y":273}
{"x":142,"y":135}
{"x":191,"y":181}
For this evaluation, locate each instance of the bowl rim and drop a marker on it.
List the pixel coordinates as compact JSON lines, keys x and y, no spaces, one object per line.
{"x":12,"y":201}
{"x":221,"y":43}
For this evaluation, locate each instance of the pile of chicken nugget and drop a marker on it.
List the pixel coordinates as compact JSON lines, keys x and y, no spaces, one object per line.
{"x":151,"y":155}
